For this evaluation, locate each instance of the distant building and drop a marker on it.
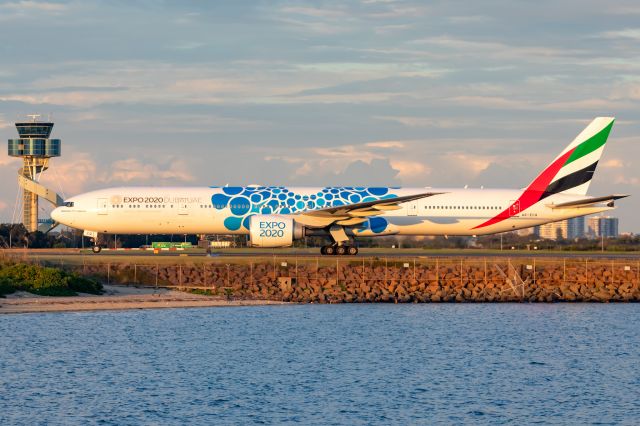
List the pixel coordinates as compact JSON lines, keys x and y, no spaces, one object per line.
{"x":553,"y":230}
{"x":564,"y":229}
{"x":602,"y":226}
{"x":575,"y":227}
{"x":533,"y":231}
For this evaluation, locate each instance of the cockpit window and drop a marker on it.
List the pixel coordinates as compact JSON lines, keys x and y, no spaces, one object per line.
{"x":68,"y":203}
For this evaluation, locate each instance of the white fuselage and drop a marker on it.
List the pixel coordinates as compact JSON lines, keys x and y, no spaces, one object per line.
{"x":194,"y":210}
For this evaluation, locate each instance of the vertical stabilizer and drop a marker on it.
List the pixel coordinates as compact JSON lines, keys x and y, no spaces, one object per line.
{"x":569,"y":173}
{"x":572,"y":170}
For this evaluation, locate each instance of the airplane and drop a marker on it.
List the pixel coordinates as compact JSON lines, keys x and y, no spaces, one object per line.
{"x":275,"y":216}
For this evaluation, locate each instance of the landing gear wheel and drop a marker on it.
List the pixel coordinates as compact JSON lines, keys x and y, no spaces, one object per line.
{"x":96,"y":249}
{"x":329,"y":250}
{"x":352,"y":251}
{"x":341,"y":250}
{"x":323,"y":250}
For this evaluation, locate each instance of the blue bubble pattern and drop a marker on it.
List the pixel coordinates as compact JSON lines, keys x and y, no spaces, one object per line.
{"x":244,"y":202}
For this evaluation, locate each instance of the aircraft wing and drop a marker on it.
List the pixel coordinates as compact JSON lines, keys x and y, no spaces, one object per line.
{"x":588,"y":202}
{"x":356,"y":213}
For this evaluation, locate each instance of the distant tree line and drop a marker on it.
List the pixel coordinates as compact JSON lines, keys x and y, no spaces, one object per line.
{"x":17,"y":236}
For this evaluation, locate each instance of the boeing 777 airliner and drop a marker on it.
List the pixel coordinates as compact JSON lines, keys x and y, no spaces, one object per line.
{"x":275,"y":216}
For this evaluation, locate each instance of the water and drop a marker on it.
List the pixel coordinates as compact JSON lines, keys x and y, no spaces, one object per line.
{"x":324,"y":364}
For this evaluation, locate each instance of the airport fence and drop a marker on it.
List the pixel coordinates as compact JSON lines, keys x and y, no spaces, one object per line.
{"x":328,"y":279}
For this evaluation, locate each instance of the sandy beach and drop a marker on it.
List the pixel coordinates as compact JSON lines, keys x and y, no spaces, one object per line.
{"x":116,"y":298}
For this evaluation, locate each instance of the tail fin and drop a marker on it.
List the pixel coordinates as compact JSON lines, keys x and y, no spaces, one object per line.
{"x":572,"y":170}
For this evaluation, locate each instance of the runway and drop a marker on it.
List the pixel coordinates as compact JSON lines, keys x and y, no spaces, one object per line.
{"x":306,"y":253}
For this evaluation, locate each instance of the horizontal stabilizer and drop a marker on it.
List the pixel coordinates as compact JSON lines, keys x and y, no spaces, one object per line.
{"x":588,"y":202}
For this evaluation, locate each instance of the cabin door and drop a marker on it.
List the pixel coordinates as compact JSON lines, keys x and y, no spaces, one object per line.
{"x":412,"y":208}
{"x":183,"y":209}
{"x":103,"y":206}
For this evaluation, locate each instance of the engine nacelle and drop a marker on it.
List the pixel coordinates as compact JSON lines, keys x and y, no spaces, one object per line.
{"x":270,"y":230}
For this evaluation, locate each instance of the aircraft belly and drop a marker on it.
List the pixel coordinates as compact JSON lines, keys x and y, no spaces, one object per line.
{"x":435,"y":225}
{"x":429,"y":225}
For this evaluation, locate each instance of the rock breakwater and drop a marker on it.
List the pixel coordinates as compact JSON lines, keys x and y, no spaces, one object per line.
{"x":381,"y":280}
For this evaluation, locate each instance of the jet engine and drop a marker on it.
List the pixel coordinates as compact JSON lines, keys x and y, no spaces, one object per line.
{"x":274,"y":231}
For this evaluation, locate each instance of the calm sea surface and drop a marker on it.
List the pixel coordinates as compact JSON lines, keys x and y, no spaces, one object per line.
{"x":324,"y":364}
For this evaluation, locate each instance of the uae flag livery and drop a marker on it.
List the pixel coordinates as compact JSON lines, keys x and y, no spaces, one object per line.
{"x":569,"y":173}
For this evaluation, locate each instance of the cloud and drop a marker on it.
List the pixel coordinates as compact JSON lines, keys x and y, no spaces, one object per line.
{"x":413,"y":162}
{"x":8,"y":161}
{"x":160,"y":83}
{"x":626,"y":91}
{"x":615,"y":9}
{"x":622,"y":179}
{"x":388,"y":29}
{"x":314,"y":12}
{"x":357,"y":172}
{"x":628,"y":33}
{"x":26,"y":5}
{"x":613,"y":163}
{"x":78,"y":172}
{"x":3,"y":123}
{"x":187,"y":18}
{"x":496,"y":102}
{"x":396,"y":10}
{"x":504,"y":174}
{"x":187,"y":45}
{"x":386,"y":144}
{"x":25,"y":9}
{"x":410,"y":170}
{"x":349,"y":152}
{"x":439,"y":122}
{"x":498,"y":50}
{"x":72,"y":173}
{"x":332,"y":162}
{"x":212,"y":86}
{"x":468,"y":19}
{"x":591,"y":104}
{"x":133,"y":170}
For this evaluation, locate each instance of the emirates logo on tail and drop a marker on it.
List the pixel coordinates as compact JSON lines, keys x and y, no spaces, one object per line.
{"x":570,"y":172}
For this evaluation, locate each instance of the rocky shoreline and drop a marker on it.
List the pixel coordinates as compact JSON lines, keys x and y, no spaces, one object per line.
{"x":374,"y":280}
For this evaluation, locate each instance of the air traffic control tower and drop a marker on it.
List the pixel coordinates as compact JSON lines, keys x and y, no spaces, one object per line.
{"x":35,"y":148}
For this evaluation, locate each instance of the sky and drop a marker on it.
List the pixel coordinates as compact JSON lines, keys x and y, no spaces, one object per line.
{"x":363,"y":92}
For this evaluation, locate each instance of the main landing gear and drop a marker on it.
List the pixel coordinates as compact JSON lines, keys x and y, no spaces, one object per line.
{"x":339,"y":248}
{"x":336,"y":250}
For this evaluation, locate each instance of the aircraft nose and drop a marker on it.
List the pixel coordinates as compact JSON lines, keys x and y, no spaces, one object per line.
{"x":56,"y":215}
